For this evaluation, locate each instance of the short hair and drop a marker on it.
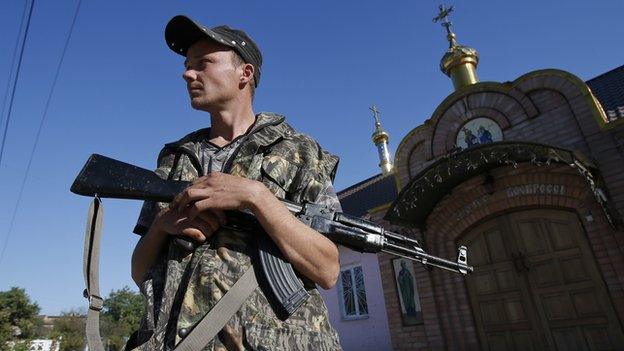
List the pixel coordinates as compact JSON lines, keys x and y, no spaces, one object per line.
{"x":237,"y":61}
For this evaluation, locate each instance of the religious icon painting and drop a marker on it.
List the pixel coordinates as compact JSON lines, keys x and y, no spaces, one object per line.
{"x":478,"y":131}
{"x":407,"y":291}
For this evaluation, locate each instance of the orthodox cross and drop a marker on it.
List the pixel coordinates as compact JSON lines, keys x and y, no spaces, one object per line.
{"x":443,"y":17}
{"x":375,"y":114}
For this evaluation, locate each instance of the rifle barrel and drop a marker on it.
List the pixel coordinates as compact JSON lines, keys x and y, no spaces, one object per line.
{"x":419,"y":255}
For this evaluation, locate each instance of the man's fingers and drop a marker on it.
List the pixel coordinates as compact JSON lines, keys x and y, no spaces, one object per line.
{"x":206,"y":179}
{"x":181,"y":198}
{"x":207,"y":228}
{"x":195,"y":233}
{"x":190,"y":195}
{"x":209,"y":218}
{"x":198,"y":207}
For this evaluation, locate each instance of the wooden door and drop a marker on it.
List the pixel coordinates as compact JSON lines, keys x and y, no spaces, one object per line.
{"x":536,"y":285}
{"x":500,"y":298}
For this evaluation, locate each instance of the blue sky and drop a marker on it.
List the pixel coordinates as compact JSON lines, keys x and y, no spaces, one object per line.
{"x":120,"y":94}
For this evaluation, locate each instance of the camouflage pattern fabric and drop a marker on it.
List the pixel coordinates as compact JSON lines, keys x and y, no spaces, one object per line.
{"x":182,"y":287}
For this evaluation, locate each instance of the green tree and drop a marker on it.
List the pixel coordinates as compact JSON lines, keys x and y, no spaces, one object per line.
{"x":122,"y":314}
{"x":18,"y":317}
{"x":70,"y":329}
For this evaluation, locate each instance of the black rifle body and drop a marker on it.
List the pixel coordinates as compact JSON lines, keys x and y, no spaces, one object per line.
{"x":108,"y":178}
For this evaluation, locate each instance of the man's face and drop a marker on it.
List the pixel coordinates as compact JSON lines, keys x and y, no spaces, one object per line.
{"x":211,"y":77}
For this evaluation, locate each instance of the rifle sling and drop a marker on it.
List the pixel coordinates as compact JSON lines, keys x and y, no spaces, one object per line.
{"x":91,"y":262}
{"x":220,"y":314}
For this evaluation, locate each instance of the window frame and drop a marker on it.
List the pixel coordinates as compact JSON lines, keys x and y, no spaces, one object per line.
{"x":341,"y":300}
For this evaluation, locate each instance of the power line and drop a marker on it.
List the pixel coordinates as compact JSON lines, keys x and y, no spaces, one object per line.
{"x":41,"y":123}
{"x":12,"y":68}
{"x":19,"y":65}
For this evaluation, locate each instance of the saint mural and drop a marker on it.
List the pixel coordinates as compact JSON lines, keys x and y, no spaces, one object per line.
{"x":469,"y":138}
{"x":405,"y":277}
{"x":484,"y":135}
{"x":478,"y":131}
{"x":406,"y":286}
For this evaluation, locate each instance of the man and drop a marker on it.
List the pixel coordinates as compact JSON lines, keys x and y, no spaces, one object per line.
{"x":242,"y":162}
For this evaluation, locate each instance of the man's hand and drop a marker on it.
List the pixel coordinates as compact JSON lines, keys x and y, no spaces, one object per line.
{"x":198,"y":227}
{"x":170,"y":221}
{"x":217,"y":192}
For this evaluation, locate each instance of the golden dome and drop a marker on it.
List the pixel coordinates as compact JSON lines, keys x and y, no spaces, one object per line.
{"x":458,"y":55}
{"x":380,"y":136}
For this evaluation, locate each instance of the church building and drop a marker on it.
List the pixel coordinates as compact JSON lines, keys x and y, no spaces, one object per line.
{"x":529,"y":176}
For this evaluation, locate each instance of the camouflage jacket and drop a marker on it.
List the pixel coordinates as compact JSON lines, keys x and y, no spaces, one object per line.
{"x":181,"y":287}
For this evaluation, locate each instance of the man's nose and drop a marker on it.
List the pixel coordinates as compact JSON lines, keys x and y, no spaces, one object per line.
{"x":189,"y":75}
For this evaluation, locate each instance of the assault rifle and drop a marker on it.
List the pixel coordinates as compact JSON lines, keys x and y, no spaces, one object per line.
{"x":108,"y":178}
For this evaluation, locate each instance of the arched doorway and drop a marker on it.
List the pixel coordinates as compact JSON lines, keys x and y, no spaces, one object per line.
{"x":536,"y":285}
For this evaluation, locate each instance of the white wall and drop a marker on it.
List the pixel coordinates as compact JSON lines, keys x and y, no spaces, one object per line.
{"x":371,"y":333}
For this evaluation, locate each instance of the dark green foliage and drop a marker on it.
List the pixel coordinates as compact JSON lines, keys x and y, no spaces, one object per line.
{"x":18,"y":316}
{"x":122,"y":314}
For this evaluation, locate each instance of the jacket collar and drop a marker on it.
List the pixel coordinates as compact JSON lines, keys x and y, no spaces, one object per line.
{"x":263,"y":130}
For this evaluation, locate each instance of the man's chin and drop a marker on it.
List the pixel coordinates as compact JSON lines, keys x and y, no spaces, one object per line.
{"x":197,"y":104}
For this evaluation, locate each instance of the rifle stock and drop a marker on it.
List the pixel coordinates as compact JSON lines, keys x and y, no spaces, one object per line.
{"x":109,"y":178}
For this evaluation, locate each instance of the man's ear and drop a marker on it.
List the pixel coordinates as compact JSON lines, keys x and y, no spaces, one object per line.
{"x":248,"y":73}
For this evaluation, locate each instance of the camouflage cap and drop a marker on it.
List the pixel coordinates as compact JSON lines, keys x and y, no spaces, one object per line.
{"x":182,"y":32}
